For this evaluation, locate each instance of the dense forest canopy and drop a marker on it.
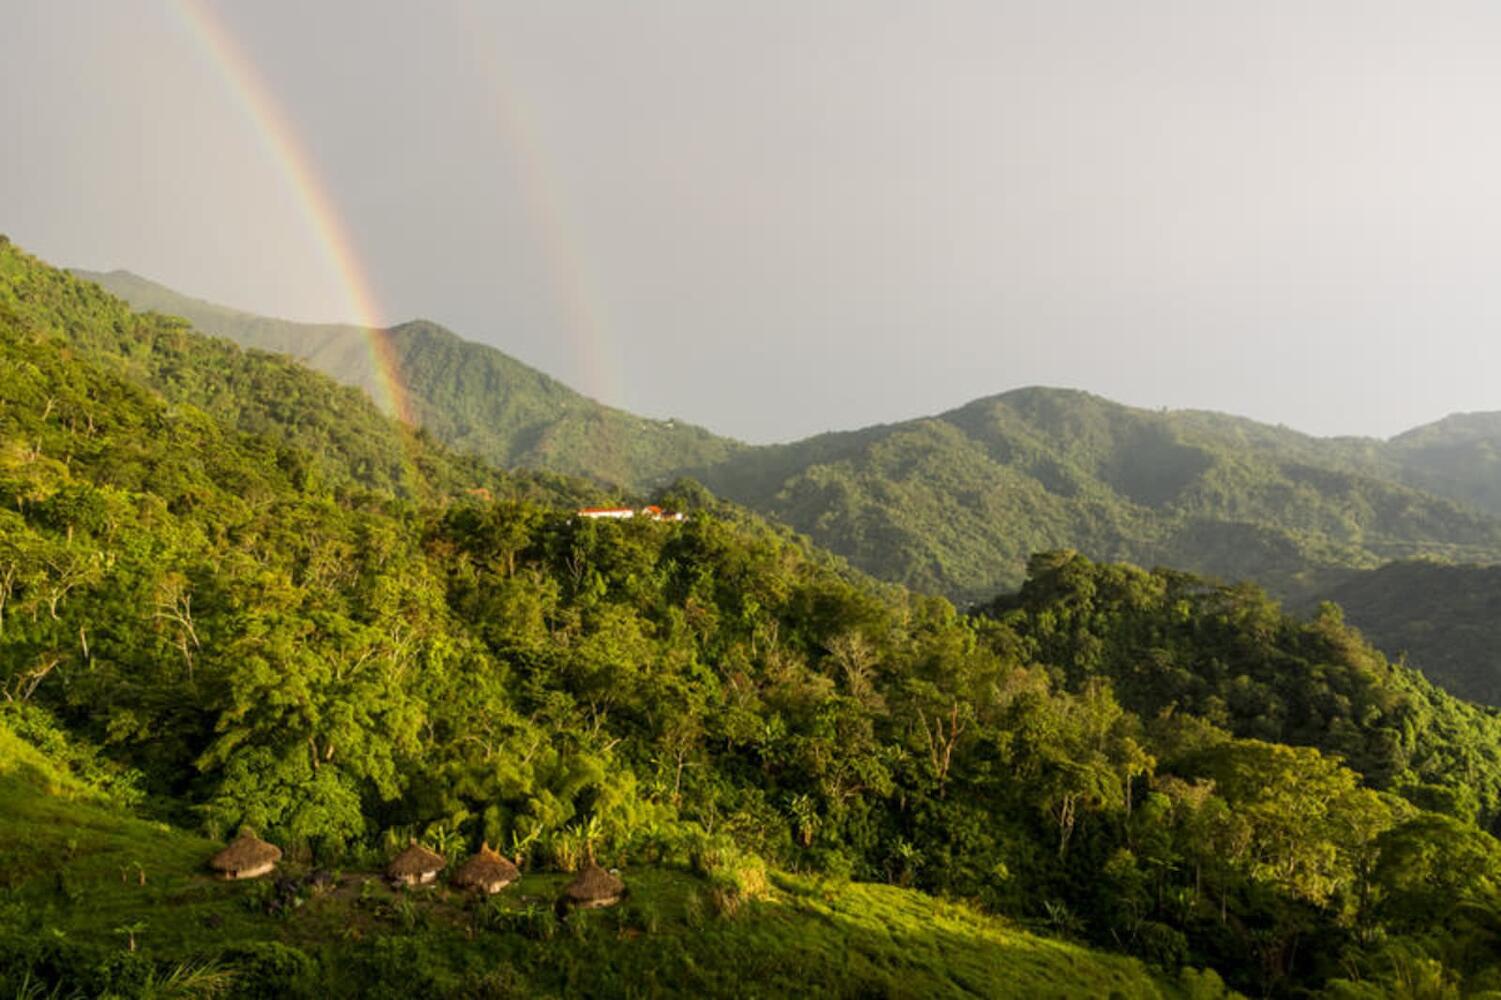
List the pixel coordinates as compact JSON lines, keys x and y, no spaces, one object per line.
{"x":231,"y":593}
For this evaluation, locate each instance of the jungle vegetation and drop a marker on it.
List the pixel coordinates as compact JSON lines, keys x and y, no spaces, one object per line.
{"x":955,"y":504}
{"x":213,"y":613}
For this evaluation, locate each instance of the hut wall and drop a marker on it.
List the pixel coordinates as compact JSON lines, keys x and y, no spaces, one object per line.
{"x":596,"y":904}
{"x":256,"y":872}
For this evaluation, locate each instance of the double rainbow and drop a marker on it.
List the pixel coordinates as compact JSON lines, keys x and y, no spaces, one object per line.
{"x":580,"y":309}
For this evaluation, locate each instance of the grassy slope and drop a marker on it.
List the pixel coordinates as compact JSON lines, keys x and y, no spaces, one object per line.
{"x":73,"y":873}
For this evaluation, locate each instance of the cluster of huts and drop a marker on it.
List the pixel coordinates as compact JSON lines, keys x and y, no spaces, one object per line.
{"x":486,"y":871}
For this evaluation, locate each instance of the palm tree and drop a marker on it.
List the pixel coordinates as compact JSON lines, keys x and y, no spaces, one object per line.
{"x":130,"y":931}
{"x":520,"y":844}
{"x":446,"y":840}
{"x":589,"y":832}
{"x":805,"y":814}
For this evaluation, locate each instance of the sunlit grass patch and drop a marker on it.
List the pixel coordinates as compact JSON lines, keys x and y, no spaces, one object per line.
{"x":84,"y":875}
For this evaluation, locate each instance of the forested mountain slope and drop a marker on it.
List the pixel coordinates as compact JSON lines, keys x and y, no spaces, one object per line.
{"x":955,"y":503}
{"x":1458,"y":456}
{"x":325,"y":433}
{"x":472,"y":397}
{"x":1445,"y":619}
{"x":1146,"y":761}
{"x":952,"y":504}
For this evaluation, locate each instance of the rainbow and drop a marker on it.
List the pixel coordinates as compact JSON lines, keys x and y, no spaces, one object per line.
{"x":574,"y":292}
{"x":260,"y":106}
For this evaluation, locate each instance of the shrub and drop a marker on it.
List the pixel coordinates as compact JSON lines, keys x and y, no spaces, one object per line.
{"x":538,"y":923}
{"x":270,"y":969}
{"x":1161,"y":944}
{"x":110,"y":781}
{"x":404,"y":966}
{"x":694,"y":909}
{"x":642,"y":916}
{"x":1202,"y":984}
{"x":730,"y":869}
{"x":567,"y":850}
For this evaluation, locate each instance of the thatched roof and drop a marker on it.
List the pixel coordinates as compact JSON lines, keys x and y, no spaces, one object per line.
{"x":415,"y":860}
{"x":245,"y":852}
{"x":485,"y":867}
{"x":593,"y":883}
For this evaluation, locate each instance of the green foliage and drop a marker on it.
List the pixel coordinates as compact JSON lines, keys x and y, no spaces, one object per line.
{"x":1441,"y":618}
{"x":342,"y":658}
{"x":1174,"y":643}
{"x":32,"y":727}
{"x":471,"y":397}
{"x":955,"y":504}
{"x":1458,"y":456}
{"x":317,"y":434}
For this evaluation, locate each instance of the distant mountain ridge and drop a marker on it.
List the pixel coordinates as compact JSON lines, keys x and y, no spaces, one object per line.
{"x":955,"y":503}
{"x":1444,"y":619}
{"x":472,"y":397}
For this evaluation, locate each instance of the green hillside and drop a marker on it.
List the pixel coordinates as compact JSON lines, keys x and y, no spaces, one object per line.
{"x":326,"y":435}
{"x":1458,"y":456}
{"x":776,"y":753}
{"x":1444,"y":619}
{"x":956,"y":503}
{"x":474,"y":398}
{"x":85,"y":877}
{"x":953,"y":504}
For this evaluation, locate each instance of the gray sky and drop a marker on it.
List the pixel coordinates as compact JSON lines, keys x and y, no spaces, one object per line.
{"x":775,"y":218}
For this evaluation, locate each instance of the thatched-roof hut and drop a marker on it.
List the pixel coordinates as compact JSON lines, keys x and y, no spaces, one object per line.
{"x":247,"y":856}
{"x":415,"y":865}
{"x":592,"y":888}
{"x":486,"y":871}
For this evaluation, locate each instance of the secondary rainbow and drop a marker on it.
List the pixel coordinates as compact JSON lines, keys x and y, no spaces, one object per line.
{"x":582,"y":312}
{"x":280,"y":137}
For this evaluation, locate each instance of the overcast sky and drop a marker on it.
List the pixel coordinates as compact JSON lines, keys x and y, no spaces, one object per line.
{"x":778,"y":218}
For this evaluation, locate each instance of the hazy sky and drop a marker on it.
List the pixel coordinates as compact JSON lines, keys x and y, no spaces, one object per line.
{"x":777,"y":218}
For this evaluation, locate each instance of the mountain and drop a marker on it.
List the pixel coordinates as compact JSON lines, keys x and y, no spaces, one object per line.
{"x":952,"y":504}
{"x":320,"y":430}
{"x":473,"y":398}
{"x":1458,"y":456}
{"x":204,"y":625}
{"x":955,"y":503}
{"x":1442,"y":618}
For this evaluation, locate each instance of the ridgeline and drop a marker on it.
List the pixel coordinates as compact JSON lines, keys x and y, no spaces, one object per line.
{"x":955,"y":504}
